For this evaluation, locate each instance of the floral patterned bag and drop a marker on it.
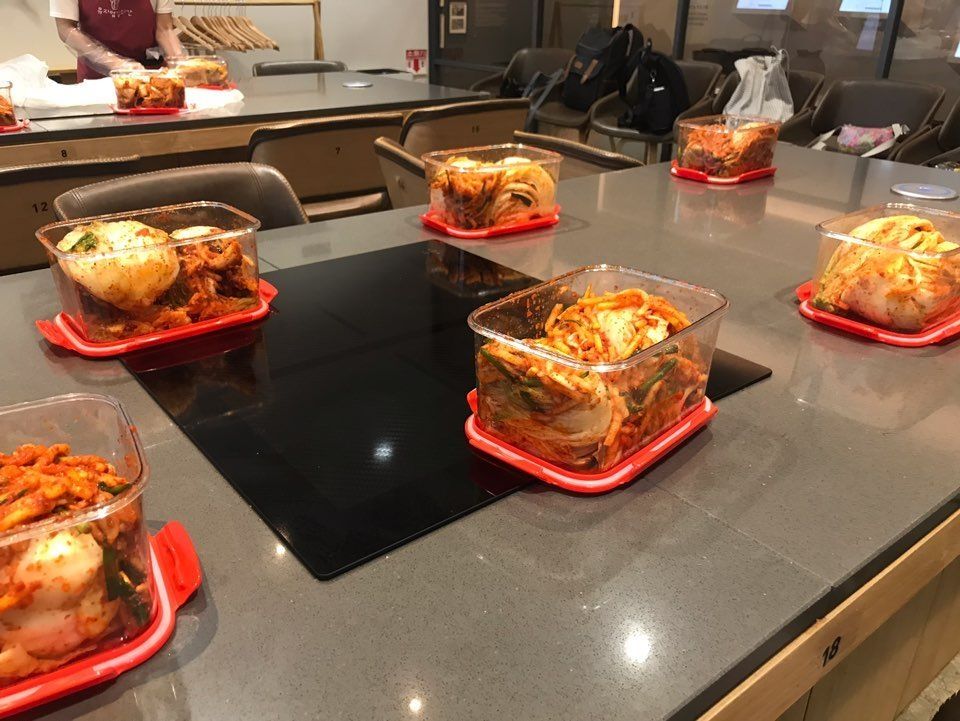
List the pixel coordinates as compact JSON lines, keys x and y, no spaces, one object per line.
{"x":855,"y":140}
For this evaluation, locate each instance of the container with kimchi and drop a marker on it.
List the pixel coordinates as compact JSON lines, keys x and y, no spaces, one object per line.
{"x":148,"y":89}
{"x":492,"y":186}
{"x":8,"y":116}
{"x":895,"y":266}
{"x":586,"y":369}
{"x":201,"y":70}
{"x":726,"y":146}
{"x":75,"y":572}
{"x":129,"y":274}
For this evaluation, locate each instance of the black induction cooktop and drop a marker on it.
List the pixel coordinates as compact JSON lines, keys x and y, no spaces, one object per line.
{"x":340,"y":417}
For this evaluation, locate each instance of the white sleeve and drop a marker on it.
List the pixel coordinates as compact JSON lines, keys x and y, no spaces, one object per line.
{"x":164,"y":6}
{"x":68,"y":9}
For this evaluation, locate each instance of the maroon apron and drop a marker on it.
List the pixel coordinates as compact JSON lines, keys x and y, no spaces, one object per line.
{"x":127,"y":27}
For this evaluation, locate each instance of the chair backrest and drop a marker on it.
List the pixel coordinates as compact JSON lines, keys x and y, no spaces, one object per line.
{"x":949,"y":136}
{"x":258,"y":190}
{"x":804,"y":86}
{"x":876,"y":104}
{"x":27,"y":195}
{"x":403,"y":174}
{"x":327,"y":157}
{"x":700,"y":77}
{"x":579,"y":159}
{"x":527,"y":62}
{"x":462,"y":125}
{"x":297,"y":67}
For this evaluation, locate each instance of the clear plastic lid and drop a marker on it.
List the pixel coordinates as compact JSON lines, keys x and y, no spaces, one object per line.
{"x":235,"y":224}
{"x":728,"y":123}
{"x":947,"y":222}
{"x":521,"y":315}
{"x":90,"y":424}
{"x":490,"y":154}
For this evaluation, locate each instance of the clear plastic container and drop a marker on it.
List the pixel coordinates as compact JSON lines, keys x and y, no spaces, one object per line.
{"x":492,"y":185}
{"x":158,"y":269}
{"x":201,"y":70}
{"x":149,"y":89}
{"x":8,"y":115}
{"x":469,"y":276}
{"x":726,"y":146}
{"x":587,"y":416}
{"x":901,"y":272}
{"x":73,"y":581}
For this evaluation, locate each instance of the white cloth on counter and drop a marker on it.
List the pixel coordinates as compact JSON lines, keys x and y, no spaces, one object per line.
{"x":32,"y":88}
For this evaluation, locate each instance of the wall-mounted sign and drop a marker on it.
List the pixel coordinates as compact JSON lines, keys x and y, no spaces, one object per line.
{"x":458,"y":18}
{"x":417,"y":61}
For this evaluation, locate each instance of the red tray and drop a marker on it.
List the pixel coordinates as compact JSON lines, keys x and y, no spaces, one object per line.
{"x":934,"y":334}
{"x":19,"y":125}
{"x":62,"y":331}
{"x":700,"y":176}
{"x":432,"y":221}
{"x":623,"y":472}
{"x":176,"y":573}
{"x":151,"y":111}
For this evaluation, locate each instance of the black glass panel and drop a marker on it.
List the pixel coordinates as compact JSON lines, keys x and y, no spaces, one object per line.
{"x":340,"y":417}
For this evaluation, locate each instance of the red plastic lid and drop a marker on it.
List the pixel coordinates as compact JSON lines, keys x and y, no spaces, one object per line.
{"x":934,"y":334}
{"x":430,"y":220}
{"x":622,"y":473}
{"x":19,"y":125}
{"x":176,"y":573}
{"x":61,"y":331}
{"x":152,"y":111}
{"x":700,"y":176}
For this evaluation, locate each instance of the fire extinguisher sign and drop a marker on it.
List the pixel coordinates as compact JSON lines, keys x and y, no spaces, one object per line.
{"x":417,"y":61}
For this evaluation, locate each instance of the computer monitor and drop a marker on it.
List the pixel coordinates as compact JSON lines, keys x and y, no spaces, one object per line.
{"x":864,"y":7}
{"x":763,"y":6}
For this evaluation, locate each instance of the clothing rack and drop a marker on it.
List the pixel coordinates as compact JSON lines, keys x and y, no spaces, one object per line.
{"x":317,"y":31}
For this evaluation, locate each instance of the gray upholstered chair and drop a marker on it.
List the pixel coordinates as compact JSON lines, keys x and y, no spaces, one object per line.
{"x":329,"y":162}
{"x":27,"y":194}
{"x":524,"y":64}
{"x":258,"y":190}
{"x":937,"y":144}
{"x":403,"y":173}
{"x":579,"y":159}
{"x":700,"y":77}
{"x":462,"y":125}
{"x":867,"y":103}
{"x":297,"y":67}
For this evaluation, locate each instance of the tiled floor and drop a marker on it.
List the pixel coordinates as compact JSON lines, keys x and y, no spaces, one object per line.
{"x":940,"y":689}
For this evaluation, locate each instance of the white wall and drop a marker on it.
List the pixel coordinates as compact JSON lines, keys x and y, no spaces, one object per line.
{"x":361,"y":33}
{"x":28,"y":28}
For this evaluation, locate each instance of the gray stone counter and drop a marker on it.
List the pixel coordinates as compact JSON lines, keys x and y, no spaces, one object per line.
{"x":646,"y":603}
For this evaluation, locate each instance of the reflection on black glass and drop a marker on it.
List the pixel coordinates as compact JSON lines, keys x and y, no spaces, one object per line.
{"x":469,"y":276}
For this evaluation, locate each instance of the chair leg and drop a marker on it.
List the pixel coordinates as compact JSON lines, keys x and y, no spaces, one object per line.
{"x":651,"y":155}
{"x":613,"y":143}
{"x":584,"y":134}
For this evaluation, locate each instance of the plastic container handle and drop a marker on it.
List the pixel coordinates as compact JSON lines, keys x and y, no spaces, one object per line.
{"x":50,"y":331}
{"x":178,"y":559}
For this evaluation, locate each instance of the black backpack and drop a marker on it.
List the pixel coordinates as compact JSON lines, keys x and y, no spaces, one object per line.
{"x":595,"y":68}
{"x":660,"y":94}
